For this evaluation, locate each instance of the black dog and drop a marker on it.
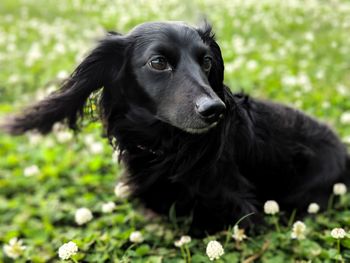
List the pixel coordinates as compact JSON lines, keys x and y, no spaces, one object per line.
{"x":185,"y":138}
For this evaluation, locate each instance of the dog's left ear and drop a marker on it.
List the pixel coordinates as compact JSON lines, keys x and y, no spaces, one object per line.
{"x":97,"y":70}
{"x":216,"y":75}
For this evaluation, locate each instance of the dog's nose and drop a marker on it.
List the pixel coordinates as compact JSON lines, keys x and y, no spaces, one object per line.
{"x":209,"y":109}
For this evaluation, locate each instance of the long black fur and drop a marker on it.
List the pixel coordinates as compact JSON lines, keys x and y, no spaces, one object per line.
{"x":258,"y":151}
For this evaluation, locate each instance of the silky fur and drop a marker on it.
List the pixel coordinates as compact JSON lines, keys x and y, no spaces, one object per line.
{"x":258,"y":151}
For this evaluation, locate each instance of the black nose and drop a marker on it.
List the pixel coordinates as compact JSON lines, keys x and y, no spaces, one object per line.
{"x":209,"y":109}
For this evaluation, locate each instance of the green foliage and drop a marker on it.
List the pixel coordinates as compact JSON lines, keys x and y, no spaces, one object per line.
{"x":295,"y":52}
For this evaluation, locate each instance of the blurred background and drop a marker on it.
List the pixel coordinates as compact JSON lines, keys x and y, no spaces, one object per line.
{"x":295,"y":52}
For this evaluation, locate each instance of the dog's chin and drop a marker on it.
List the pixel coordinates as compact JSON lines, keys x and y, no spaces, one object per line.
{"x":200,"y":130}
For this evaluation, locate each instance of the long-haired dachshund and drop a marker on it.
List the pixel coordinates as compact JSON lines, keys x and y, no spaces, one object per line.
{"x":187,"y":141}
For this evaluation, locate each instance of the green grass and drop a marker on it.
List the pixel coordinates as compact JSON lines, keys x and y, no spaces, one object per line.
{"x":295,"y":52}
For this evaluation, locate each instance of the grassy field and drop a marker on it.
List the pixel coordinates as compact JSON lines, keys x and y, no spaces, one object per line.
{"x":296,"y":52}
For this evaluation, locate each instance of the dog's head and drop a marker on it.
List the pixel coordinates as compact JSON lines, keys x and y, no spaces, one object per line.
{"x":171,"y":70}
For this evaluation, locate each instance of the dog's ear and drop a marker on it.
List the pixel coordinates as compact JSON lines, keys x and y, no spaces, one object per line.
{"x":216,"y":75}
{"x":96,"y":71}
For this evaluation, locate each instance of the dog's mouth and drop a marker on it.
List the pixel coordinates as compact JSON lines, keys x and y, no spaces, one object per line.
{"x":201,"y":130}
{"x":194,"y":126}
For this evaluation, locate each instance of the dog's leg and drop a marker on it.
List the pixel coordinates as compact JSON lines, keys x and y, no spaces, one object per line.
{"x":210,"y":216}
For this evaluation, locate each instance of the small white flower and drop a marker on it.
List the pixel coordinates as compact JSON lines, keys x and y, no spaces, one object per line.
{"x":62,"y":74}
{"x":345,"y":118}
{"x":343,"y":90}
{"x":34,"y":54}
{"x":182,"y":241}
{"x":338,"y":233}
{"x":83,"y":215}
{"x":57,"y":127}
{"x":67,"y":250}
{"x":13,"y":78}
{"x":313,"y":208}
{"x":214,"y":250}
{"x":14,"y":249}
{"x":346,"y":139}
{"x":59,"y":48}
{"x":115,"y":156}
{"x":271,"y":207}
{"x":178,"y":243}
{"x":238,"y":234}
{"x":108,"y":207}
{"x":31,"y":170}
{"x":122,"y":190}
{"x":339,"y":189}
{"x":96,"y":148}
{"x":309,"y":36}
{"x":252,"y":65}
{"x":64,"y":136}
{"x":185,"y":239}
{"x":298,"y":231}
{"x":136,"y":237}
{"x":89,"y":139}
{"x":289,"y":80}
{"x":34,"y":138}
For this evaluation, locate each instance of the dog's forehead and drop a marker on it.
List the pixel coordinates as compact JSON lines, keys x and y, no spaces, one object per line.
{"x":165,"y":32}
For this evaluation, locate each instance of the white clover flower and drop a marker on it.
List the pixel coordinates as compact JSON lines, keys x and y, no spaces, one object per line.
{"x":252,"y":65}
{"x":338,"y":233}
{"x":339,"y":189}
{"x":108,"y":207}
{"x":345,"y":118}
{"x":326,"y":104}
{"x":182,"y":241}
{"x":298,"y":230}
{"x":320,"y":74}
{"x":122,"y":190}
{"x":238,"y":234}
{"x":115,"y":156}
{"x":178,"y":243}
{"x":13,"y":78}
{"x":313,"y":208}
{"x":49,"y":142}
{"x":271,"y":207}
{"x":214,"y":250}
{"x":57,"y":127}
{"x":67,"y":250}
{"x":346,"y":139}
{"x":34,"y":54}
{"x":343,"y":90}
{"x":14,"y":249}
{"x":64,"y":136}
{"x":59,"y":48}
{"x":185,"y":239}
{"x":309,"y":36}
{"x":34,"y":138}
{"x":89,"y":139}
{"x":96,"y":148}
{"x":83,"y":215}
{"x":62,"y":74}
{"x":50,"y":89}
{"x":289,"y":80}
{"x":31,"y":170}
{"x":136,"y":237}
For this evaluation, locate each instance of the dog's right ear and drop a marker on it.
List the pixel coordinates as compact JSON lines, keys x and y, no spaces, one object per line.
{"x":96,"y":71}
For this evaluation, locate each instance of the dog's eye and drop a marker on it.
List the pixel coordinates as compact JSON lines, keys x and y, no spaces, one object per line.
{"x":159,"y":63}
{"x":206,"y":65}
